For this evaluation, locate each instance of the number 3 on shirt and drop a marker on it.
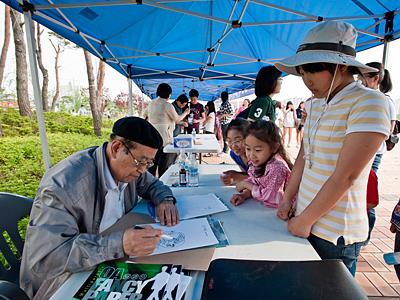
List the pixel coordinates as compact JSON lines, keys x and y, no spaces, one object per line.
{"x":258,"y":112}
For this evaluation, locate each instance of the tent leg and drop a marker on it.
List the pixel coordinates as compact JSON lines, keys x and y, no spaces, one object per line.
{"x":385,"y":54}
{"x":130,"y":97}
{"x":36,"y":88}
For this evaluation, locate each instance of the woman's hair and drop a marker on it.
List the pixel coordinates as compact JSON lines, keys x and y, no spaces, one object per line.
{"x":211,"y":107}
{"x":266,"y":81}
{"x":224,"y":96}
{"x":319,"y":67}
{"x":238,"y":124}
{"x":164,"y":90}
{"x":385,"y":82}
{"x":301,"y":102}
{"x":288,"y":103}
{"x":278,"y":104}
{"x":269,"y":133}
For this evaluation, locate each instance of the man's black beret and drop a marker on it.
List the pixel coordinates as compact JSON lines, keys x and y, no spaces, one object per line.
{"x":138,"y":130}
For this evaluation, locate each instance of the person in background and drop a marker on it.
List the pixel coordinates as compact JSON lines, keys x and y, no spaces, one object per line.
{"x":268,"y":83}
{"x":301,"y":119}
{"x":269,"y":166}
{"x":235,"y":135}
{"x":162,"y":115}
{"x":395,"y":228}
{"x":289,"y":122}
{"x":209,"y":124}
{"x":225,"y":115}
{"x":379,"y":80}
{"x":245,"y":104}
{"x":179,"y":104}
{"x":82,"y":196}
{"x":345,"y":126}
{"x":197,"y":114}
{"x":279,"y":115}
{"x":82,"y":111}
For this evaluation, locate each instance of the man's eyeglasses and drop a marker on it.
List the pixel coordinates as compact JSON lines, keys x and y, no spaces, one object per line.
{"x":234,"y":143}
{"x":136,"y":163}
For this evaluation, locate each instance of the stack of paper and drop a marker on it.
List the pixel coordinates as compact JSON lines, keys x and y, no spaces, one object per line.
{"x":194,"y":206}
{"x":125,"y":280}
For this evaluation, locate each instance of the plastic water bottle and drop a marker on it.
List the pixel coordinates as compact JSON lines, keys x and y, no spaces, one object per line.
{"x":182,"y":168}
{"x":194,"y":134}
{"x":193,"y":171}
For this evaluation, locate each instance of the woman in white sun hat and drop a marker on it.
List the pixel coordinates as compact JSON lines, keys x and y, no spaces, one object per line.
{"x":345,"y":126}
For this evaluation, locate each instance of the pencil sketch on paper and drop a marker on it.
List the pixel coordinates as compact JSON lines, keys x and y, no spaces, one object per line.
{"x":178,"y":239}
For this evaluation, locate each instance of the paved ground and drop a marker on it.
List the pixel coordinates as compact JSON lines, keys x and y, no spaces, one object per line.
{"x":378,"y":280}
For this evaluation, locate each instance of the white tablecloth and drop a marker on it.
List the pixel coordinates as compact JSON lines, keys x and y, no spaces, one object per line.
{"x":208,"y":143}
{"x":254,"y":232}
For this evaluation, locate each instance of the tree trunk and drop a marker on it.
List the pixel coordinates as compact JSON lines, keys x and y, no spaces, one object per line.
{"x":1,"y":130}
{"x":57,"y":94}
{"x":101,"y":74}
{"x":4,"y":50}
{"x":45,"y":73}
{"x":21,"y":65}
{"x":96,"y":114}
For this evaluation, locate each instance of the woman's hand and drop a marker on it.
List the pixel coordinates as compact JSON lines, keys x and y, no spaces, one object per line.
{"x":285,"y":210}
{"x":300,"y":227}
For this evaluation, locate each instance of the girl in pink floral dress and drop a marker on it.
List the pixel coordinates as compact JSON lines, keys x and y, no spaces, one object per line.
{"x":269,"y":166}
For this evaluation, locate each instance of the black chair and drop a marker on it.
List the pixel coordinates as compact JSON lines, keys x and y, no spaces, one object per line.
{"x":10,"y":291}
{"x":12,"y":209}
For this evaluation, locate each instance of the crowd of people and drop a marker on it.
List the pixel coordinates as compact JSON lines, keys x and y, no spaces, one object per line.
{"x":322,"y":194}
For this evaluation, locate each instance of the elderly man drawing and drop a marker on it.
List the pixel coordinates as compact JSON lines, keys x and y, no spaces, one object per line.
{"x":85,"y":194}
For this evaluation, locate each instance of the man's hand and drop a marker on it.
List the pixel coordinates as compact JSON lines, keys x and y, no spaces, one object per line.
{"x":140,"y":242}
{"x":167,"y":213}
{"x":299,"y":227}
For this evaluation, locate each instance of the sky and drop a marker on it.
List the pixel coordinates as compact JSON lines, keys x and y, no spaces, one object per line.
{"x":73,"y":69}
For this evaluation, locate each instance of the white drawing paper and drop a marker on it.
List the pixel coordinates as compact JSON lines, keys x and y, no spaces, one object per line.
{"x":187,"y":234}
{"x":193,"y":206}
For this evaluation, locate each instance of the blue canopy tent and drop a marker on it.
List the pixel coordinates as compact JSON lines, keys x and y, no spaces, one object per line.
{"x":210,"y":45}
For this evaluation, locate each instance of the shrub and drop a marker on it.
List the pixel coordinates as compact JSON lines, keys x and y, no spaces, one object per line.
{"x":56,"y":122}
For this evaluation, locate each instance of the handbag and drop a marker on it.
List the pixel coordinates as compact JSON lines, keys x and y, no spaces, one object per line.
{"x":372,"y":190}
{"x":393,"y":138}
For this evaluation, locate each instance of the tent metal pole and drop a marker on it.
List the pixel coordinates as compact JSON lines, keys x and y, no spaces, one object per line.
{"x":36,"y":88}
{"x":285,"y":9}
{"x":183,"y":11}
{"x":97,"y":4}
{"x":142,"y":105}
{"x":130,"y":97}
{"x":379,"y":36}
{"x":385,"y":55}
{"x":211,"y":58}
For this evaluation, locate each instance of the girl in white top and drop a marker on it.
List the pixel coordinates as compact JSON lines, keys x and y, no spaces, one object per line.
{"x":288,"y":122}
{"x":345,"y":126}
{"x":209,"y":123}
